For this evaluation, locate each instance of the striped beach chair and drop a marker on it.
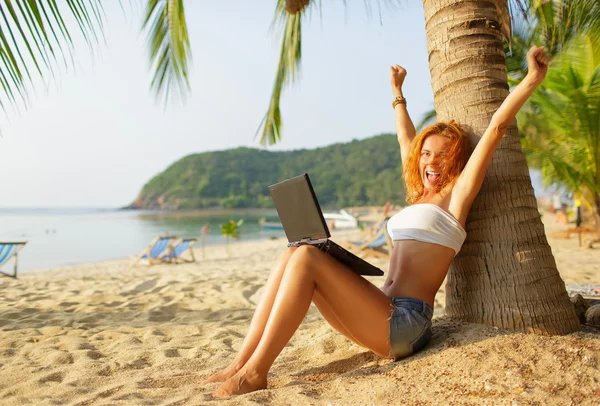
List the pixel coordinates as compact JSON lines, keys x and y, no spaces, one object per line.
{"x":153,"y":253}
{"x":180,"y":247}
{"x":10,"y":250}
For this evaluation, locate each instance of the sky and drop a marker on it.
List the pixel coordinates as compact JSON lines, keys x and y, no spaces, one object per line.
{"x":96,"y":135}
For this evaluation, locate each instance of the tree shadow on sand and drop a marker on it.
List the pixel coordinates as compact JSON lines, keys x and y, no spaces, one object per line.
{"x":446,"y":334}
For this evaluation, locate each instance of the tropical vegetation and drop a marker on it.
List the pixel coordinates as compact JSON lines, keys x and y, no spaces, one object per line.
{"x":240,"y":177}
{"x":36,"y":40}
{"x":231,"y":231}
{"x":560,"y":125}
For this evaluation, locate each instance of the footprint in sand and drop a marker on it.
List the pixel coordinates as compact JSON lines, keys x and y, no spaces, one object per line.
{"x":329,"y":346}
{"x":109,"y":369}
{"x":261,"y":397}
{"x":144,"y":360}
{"x":94,"y":354}
{"x":171,"y":353}
{"x":54,"y":377}
{"x":67,"y":304}
{"x":153,"y":332}
{"x":162,"y":314}
{"x":145,"y":285}
{"x":109,"y":392}
{"x":60,"y":358}
{"x":101,"y":395}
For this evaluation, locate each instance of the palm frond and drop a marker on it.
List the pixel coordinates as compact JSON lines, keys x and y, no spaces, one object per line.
{"x":169,"y":47}
{"x":560,"y":125}
{"x":552,"y":24}
{"x":555,"y":170}
{"x":290,"y":55}
{"x":34,"y":40}
{"x":428,"y":118}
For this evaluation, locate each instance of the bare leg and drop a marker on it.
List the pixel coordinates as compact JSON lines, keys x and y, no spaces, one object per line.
{"x":329,"y":315}
{"x":360,"y":308}
{"x":259,"y":320}
{"x":261,"y":315}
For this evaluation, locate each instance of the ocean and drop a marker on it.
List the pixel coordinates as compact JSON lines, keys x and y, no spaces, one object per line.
{"x":58,"y":237}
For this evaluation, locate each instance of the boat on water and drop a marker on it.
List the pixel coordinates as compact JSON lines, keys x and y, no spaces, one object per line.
{"x":340,"y":220}
{"x":269,"y":225}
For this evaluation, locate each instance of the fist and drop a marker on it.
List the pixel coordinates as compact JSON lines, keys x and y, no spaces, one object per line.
{"x":397,"y":75}
{"x":537,"y":63}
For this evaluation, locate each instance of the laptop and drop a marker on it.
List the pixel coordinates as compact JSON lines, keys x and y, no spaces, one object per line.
{"x":303,"y":222}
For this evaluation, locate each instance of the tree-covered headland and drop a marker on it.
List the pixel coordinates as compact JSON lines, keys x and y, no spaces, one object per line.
{"x":357,"y":173}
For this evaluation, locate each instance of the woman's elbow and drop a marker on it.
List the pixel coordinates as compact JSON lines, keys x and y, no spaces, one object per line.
{"x":499,"y":125}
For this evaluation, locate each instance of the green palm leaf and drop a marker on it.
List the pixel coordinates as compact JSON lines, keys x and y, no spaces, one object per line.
{"x":551,"y":24}
{"x":33,"y":36}
{"x":429,"y":117}
{"x":290,"y":55}
{"x":169,"y":45}
{"x":561,"y":122}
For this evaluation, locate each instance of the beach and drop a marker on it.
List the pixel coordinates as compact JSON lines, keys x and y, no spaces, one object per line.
{"x":103,"y":333}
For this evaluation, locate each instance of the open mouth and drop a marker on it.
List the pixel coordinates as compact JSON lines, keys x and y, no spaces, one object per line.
{"x":432,"y":177}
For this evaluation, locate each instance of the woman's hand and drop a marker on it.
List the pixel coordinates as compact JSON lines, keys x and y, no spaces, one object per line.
{"x":397,"y":75}
{"x":537,"y":64}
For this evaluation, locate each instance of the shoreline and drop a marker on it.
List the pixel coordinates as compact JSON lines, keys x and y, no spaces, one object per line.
{"x":197,"y":250}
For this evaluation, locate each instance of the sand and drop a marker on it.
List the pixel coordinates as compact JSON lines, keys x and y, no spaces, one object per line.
{"x":105,"y":334}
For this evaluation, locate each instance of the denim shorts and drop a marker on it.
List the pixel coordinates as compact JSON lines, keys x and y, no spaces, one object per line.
{"x":410,"y":326}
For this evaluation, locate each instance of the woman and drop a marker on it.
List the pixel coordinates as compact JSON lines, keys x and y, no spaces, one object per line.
{"x":442,"y":182}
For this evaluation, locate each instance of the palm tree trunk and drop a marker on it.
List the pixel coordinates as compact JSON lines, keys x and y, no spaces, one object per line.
{"x":505,"y":274}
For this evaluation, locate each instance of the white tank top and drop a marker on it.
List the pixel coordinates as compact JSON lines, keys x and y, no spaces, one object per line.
{"x":429,"y":223}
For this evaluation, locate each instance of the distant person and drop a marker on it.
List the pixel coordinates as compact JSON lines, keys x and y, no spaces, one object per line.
{"x":577,"y":202}
{"x":560,"y":211}
{"x":556,"y":202}
{"x":442,"y":179}
{"x":386,"y":209}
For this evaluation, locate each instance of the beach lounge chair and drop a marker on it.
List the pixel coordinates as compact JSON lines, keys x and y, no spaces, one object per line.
{"x":154,"y":252}
{"x":10,"y":250}
{"x":178,"y":250}
{"x":376,"y":242}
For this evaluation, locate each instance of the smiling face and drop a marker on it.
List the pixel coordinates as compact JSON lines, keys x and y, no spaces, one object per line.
{"x":437,"y":156}
{"x":433,"y":154}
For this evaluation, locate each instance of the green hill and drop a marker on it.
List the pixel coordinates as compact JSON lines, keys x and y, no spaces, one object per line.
{"x":365,"y":172}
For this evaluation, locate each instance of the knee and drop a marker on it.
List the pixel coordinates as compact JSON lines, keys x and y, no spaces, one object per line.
{"x":304,"y":256}
{"x":287,"y":253}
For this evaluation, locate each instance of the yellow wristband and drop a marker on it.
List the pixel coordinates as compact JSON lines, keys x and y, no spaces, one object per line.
{"x":398,"y":100}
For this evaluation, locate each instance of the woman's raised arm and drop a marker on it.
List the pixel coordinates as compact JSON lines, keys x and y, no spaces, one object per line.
{"x":470,"y":180}
{"x":404,"y":126}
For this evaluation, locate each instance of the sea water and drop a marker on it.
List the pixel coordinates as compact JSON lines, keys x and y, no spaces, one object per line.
{"x":58,"y":237}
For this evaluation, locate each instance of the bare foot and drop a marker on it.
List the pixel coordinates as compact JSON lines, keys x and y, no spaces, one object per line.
{"x":224,"y":374}
{"x":242,"y":382}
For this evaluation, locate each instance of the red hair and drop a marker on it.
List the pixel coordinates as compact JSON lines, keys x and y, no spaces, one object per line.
{"x":454,"y":162}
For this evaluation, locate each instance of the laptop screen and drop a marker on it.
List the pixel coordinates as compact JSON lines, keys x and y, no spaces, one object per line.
{"x":299,"y":209}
